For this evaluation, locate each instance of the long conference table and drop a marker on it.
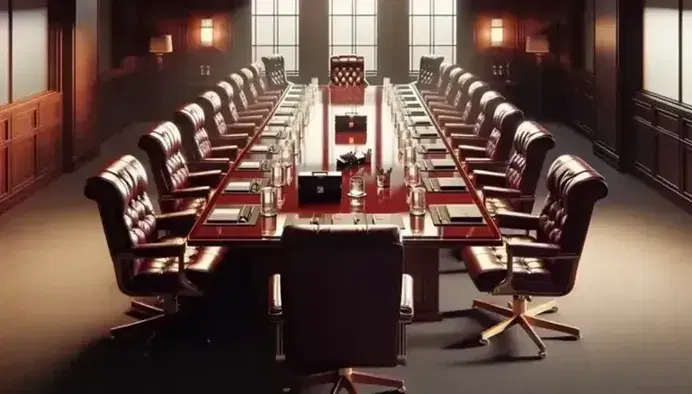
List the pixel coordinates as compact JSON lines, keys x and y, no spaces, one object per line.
{"x":321,"y":146}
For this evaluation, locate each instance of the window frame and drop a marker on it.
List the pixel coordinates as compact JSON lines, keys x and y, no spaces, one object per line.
{"x":370,"y":70}
{"x":414,"y":64}
{"x":275,"y":46}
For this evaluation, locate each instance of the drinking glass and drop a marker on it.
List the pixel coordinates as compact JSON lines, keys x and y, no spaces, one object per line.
{"x":413,"y":175}
{"x":287,"y":153}
{"x":409,"y":155}
{"x":417,"y":201}
{"x":277,"y":174}
{"x":268,"y":202}
{"x":357,"y":188}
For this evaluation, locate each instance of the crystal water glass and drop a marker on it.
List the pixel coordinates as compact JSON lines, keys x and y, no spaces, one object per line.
{"x":268,"y":201}
{"x":278,"y":176}
{"x":417,"y":201}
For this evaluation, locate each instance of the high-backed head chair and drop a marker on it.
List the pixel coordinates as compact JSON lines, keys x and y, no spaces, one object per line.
{"x":499,"y":143}
{"x":230,"y":111}
{"x":449,"y":92}
{"x":483,"y":126}
{"x":455,"y":104}
{"x":197,"y":144}
{"x":429,"y":71}
{"x":347,"y":71}
{"x":252,"y":88}
{"x":545,"y":265}
{"x":275,"y":66}
{"x":341,"y":301}
{"x":442,"y":81}
{"x":512,"y":185}
{"x":471,"y":110}
{"x":146,"y":263}
{"x":216,"y":125}
{"x":181,"y":185}
{"x":245,"y":103}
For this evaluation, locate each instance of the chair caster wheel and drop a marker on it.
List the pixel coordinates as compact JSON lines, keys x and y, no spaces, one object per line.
{"x":483,"y":342}
{"x":542,"y":354}
{"x":577,"y":337}
{"x":553,"y":310}
{"x":401,"y":390}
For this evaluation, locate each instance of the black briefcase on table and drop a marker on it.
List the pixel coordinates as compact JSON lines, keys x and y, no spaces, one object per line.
{"x":319,"y":187}
{"x":350,"y":122}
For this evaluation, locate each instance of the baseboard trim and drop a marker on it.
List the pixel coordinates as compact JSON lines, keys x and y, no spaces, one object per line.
{"x":604,"y":152}
{"x":677,"y":198}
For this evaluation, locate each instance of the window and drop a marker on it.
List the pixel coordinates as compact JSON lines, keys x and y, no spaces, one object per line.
{"x":275,"y":29}
{"x":353,"y":30}
{"x":661,"y":68}
{"x":687,"y":52}
{"x":432,"y":29}
{"x":497,"y":33}
{"x":24,"y":67}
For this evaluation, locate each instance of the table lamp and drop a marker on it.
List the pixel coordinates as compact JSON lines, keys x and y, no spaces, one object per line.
{"x":538,"y":45}
{"x":159,"y":45}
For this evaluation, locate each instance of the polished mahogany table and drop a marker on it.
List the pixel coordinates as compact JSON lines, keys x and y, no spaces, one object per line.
{"x":320,"y":148}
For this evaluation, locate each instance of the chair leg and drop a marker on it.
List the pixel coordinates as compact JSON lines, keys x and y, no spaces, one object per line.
{"x":139,"y":327}
{"x":548,"y":307}
{"x":315,"y":380}
{"x":532,"y":334}
{"x":358,"y":377}
{"x":143,"y":307}
{"x":554,"y":326}
{"x":486,"y":306}
{"x":497,"y":329}
{"x":337,"y":386}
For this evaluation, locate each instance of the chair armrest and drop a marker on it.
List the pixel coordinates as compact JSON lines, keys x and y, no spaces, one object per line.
{"x":210,"y":163}
{"x":469,"y":139}
{"x":433,"y":98}
{"x":260,"y":105}
{"x":189,"y":192}
{"x":275,"y":305}
{"x":489,"y":178}
{"x":266,"y":99}
{"x":250,"y":120}
{"x":462,"y":128}
{"x":449,"y":117}
{"x":517,"y":220}
{"x":484,"y":163}
{"x":263,"y":112}
{"x":225,"y":151}
{"x":171,"y":248}
{"x":438,"y":108}
{"x":532,"y":249}
{"x":406,"y":310}
{"x":177,"y":222}
{"x":500,"y":192}
{"x":466,"y":151}
{"x":209,"y":178}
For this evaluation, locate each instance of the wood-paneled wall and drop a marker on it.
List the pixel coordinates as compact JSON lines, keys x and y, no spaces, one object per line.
{"x":30,"y":146}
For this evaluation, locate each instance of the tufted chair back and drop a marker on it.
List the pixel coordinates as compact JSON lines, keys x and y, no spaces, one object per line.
{"x":429,"y":72}
{"x":250,"y":84}
{"x":228,"y":109}
{"x":190,"y":121}
{"x":452,"y":88}
{"x":505,"y":121}
{"x":211,"y":104}
{"x":445,"y":69}
{"x":260,"y":76}
{"x":347,"y":70}
{"x":484,"y":123}
{"x":127,"y":214}
{"x":163,"y":146}
{"x":472,"y":109}
{"x":276,"y":71}
{"x":574,"y":188}
{"x":530,"y":146}
{"x":239,"y":98}
{"x":317,"y":332}
{"x":462,"y":94}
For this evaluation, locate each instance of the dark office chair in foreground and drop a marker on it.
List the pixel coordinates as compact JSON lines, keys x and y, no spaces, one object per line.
{"x":341,"y":301}
{"x":545,"y":265}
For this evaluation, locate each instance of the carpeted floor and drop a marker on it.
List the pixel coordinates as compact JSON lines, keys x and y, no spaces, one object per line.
{"x":632,"y":301}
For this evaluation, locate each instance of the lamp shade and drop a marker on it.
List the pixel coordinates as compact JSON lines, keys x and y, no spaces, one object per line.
{"x":537,"y":44}
{"x":161,"y":44}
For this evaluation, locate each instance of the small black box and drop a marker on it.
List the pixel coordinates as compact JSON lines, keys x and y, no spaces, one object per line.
{"x":319,"y":187}
{"x":350,"y":122}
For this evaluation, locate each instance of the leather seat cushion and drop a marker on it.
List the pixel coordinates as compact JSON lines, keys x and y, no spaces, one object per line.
{"x":487,"y":267}
{"x":197,"y":204}
{"x":160,"y":275}
{"x":495,"y":205}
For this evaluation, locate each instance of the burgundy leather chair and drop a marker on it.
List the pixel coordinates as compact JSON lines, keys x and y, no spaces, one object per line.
{"x":230,"y":111}
{"x":181,"y":185}
{"x":275,"y":65}
{"x":146,"y":263}
{"x":349,"y":313}
{"x":263,"y":86}
{"x":197,"y":144}
{"x":451,"y":87}
{"x":237,"y":133}
{"x":484,"y":122}
{"x":441,"y":86}
{"x":247,"y":104}
{"x":252,"y":88}
{"x":499,"y":143}
{"x":471,"y":110}
{"x":545,"y":264}
{"x":456,"y":104}
{"x":347,"y":71}
{"x":511,"y":186}
{"x":429,"y":71}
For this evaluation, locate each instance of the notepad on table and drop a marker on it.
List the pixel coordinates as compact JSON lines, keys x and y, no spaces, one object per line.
{"x":259,"y":148}
{"x":421,"y":121}
{"x":451,"y":183}
{"x":227,"y":215}
{"x":413,"y":105}
{"x":409,"y":97}
{"x":443,"y":164}
{"x":270,"y":133}
{"x":277,"y":122}
{"x":238,"y":186}
{"x":250,"y":165}
{"x":464,"y":213}
{"x":434,"y":148}
{"x":426,"y":132}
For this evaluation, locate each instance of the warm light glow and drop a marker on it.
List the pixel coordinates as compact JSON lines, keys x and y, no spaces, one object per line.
{"x":161,"y":44}
{"x":497,"y":33}
{"x":206,"y":33}
{"x":538,"y":44}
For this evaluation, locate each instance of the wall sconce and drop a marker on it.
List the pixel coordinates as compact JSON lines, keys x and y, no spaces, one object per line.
{"x":497,"y":33}
{"x":159,"y":45}
{"x":206,"y":33}
{"x":539,"y":46}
